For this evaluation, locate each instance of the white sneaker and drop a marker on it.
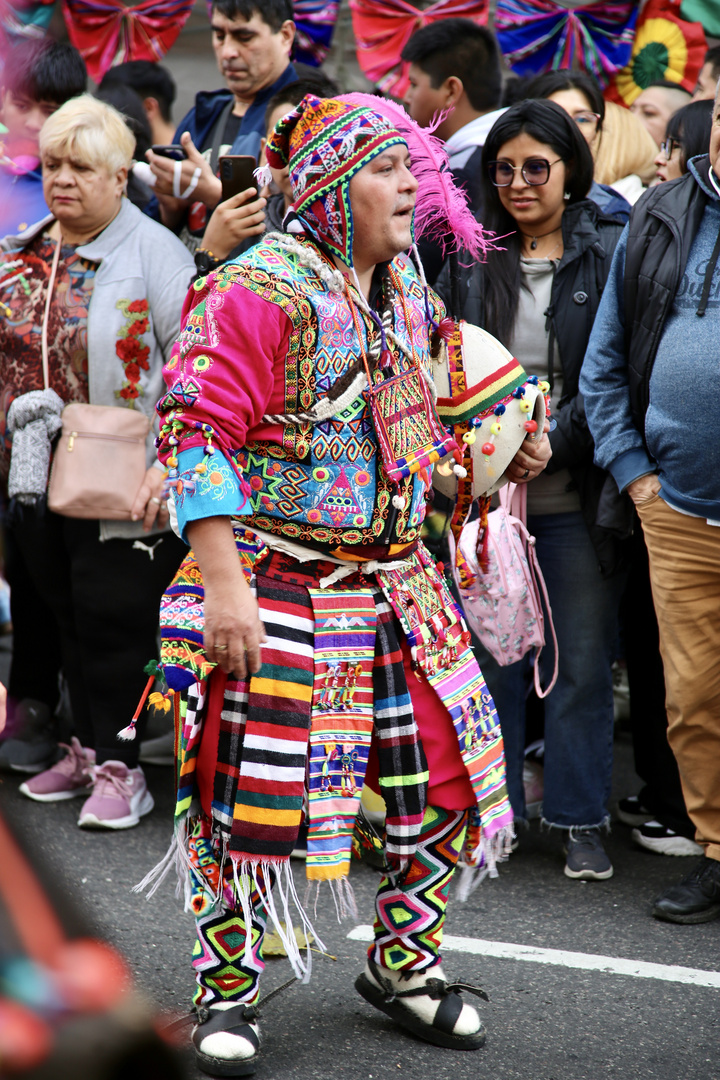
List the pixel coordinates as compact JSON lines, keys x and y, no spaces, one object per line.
{"x":119,"y":799}
{"x":663,"y":841}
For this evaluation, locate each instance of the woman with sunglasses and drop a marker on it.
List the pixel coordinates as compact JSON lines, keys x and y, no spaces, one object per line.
{"x":687,"y":135}
{"x":582,"y":99}
{"x":539,"y":296}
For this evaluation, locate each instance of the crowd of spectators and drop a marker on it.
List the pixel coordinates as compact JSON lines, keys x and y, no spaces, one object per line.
{"x":608,"y":286}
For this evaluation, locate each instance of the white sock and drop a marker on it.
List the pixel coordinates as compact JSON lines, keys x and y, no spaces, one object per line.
{"x":467,"y":1023}
{"x":223,"y":1044}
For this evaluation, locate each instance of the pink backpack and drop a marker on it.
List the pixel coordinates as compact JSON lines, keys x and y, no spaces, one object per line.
{"x":504,"y":606}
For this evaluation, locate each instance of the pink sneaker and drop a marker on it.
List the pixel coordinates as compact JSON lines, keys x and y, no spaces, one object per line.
{"x":120,"y":797}
{"x":66,"y":780}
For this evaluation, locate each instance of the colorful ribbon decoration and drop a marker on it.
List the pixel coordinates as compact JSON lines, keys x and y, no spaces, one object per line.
{"x":314,"y":24}
{"x":108,"y":33}
{"x":665,"y":47}
{"x":382,"y":28}
{"x":538,"y":35}
{"x":25,"y":18}
{"x":706,"y":12}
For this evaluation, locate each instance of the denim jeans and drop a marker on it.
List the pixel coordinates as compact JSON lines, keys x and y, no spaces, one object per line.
{"x":579,"y":710}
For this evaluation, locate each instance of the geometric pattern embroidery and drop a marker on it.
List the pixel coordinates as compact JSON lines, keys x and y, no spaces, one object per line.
{"x":224,"y":970}
{"x":410,"y":918}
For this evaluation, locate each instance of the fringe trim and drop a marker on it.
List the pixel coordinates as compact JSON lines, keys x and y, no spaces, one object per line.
{"x":489,"y":853}
{"x":342,"y":893}
{"x":247,"y":879}
{"x":177,"y":858}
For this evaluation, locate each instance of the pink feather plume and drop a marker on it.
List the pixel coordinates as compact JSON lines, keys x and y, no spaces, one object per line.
{"x":442,"y":212}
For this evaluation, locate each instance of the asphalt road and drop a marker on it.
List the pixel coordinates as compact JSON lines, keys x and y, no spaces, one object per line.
{"x":544,"y":1022}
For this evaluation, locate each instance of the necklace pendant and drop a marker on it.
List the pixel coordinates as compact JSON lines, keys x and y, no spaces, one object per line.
{"x":533,"y":243}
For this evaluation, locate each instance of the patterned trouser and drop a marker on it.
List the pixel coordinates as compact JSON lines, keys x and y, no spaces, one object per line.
{"x":408,"y":923}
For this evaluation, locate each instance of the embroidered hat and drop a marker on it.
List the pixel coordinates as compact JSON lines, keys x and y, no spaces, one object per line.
{"x":324,"y":143}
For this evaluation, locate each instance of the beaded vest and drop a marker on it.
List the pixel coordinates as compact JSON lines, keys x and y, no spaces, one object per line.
{"x":325,"y":485}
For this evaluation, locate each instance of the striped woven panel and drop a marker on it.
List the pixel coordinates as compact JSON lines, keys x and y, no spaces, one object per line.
{"x":466,"y":402}
{"x":271,"y":781}
{"x":342,"y":724}
{"x":440,"y":646}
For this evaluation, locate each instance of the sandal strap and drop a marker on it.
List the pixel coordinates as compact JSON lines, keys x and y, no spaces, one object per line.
{"x":435,"y":989}
{"x":235,"y":1021}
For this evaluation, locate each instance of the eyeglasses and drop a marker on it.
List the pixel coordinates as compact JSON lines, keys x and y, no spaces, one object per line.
{"x":534,"y":171}
{"x":668,"y":146}
{"x":587,"y":120}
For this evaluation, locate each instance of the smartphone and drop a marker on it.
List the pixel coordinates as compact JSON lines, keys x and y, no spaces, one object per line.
{"x":174,"y":151}
{"x":236,"y":174}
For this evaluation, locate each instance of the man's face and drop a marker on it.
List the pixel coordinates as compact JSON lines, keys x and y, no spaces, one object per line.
{"x":249,"y":54}
{"x":421,"y":100}
{"x":654,"y":107}
{"x":24,"y":118}
{"x":715,"y":138}
{"x":706,"y":84}
{"x":382,"y":197}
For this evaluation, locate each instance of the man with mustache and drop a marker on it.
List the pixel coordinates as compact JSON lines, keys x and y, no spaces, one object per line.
{"x":333,"y":652}
{"x":252,"y":41}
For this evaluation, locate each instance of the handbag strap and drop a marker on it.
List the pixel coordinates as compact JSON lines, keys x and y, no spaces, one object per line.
{"x":537,"y":574}
{"x":513,"y":499}
{"x":46,"y":314}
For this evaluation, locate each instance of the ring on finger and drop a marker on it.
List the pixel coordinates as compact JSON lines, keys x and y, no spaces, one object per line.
{"x":155,"y":499}
{"x":220,"y":648}
{"x":526,"y":474}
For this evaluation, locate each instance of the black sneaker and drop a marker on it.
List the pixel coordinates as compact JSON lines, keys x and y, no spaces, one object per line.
{"x":663,"y":841}
{"x":586,"y":856}
{"x":632,"y":812}
{"x":34,"y":746}
{"x":695,"y":899}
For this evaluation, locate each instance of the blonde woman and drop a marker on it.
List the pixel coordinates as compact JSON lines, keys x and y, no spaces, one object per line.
{"x":107,"y":283}
{"x":625,"y":153}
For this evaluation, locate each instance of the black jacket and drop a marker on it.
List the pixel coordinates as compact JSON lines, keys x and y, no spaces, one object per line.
{"x":662,"y":228}
{"x":589,"y":239}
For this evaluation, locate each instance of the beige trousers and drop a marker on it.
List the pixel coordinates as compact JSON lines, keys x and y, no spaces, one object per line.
{"x":685,"y":575}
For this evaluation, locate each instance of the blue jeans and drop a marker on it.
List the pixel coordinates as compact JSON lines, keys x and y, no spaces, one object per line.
{"x":579,"y":710}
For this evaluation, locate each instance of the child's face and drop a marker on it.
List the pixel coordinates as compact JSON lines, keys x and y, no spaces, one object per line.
{"x":280,"y":176}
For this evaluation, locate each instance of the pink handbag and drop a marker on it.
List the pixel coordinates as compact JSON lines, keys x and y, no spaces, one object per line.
{"x":505,"y":605}
{"x":99,"y":463}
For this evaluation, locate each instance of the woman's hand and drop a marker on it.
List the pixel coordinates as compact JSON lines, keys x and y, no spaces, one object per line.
{"x":233,"y":630}
{"x":531,"y":459}
{"x":193,"y":181}
{"x":149,"y":502}
{"x":643,"y":488}
{"x":233,"y":221}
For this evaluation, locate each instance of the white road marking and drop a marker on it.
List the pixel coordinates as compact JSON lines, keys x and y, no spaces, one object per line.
{"x":610,"y":965}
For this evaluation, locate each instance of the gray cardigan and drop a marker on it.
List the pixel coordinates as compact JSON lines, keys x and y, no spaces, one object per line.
{"x":137,"y":259}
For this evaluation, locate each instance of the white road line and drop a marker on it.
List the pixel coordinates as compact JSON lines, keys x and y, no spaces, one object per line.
{"x":610,"y":965}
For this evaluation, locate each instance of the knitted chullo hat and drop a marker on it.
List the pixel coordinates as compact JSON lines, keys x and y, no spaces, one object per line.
{"x":324,"y":143}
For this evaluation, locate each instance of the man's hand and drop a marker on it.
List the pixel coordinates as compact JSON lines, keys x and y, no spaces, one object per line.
{"x":149,"y":503}
{"x":233,"y":221}
{"x":233,"y":630}
{"x":186,"y":181}
{"x":531,"y":459}
{"x":643,"y":488}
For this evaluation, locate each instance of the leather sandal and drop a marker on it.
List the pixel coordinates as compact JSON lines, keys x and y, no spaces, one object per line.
{"x":235,"y":1021}
{"x":392,"y":1001}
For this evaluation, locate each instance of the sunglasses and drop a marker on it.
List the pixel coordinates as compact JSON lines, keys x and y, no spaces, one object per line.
{"x":534,"y":171}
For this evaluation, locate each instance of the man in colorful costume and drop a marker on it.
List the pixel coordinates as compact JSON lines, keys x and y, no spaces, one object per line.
{"x":337,"y":654}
